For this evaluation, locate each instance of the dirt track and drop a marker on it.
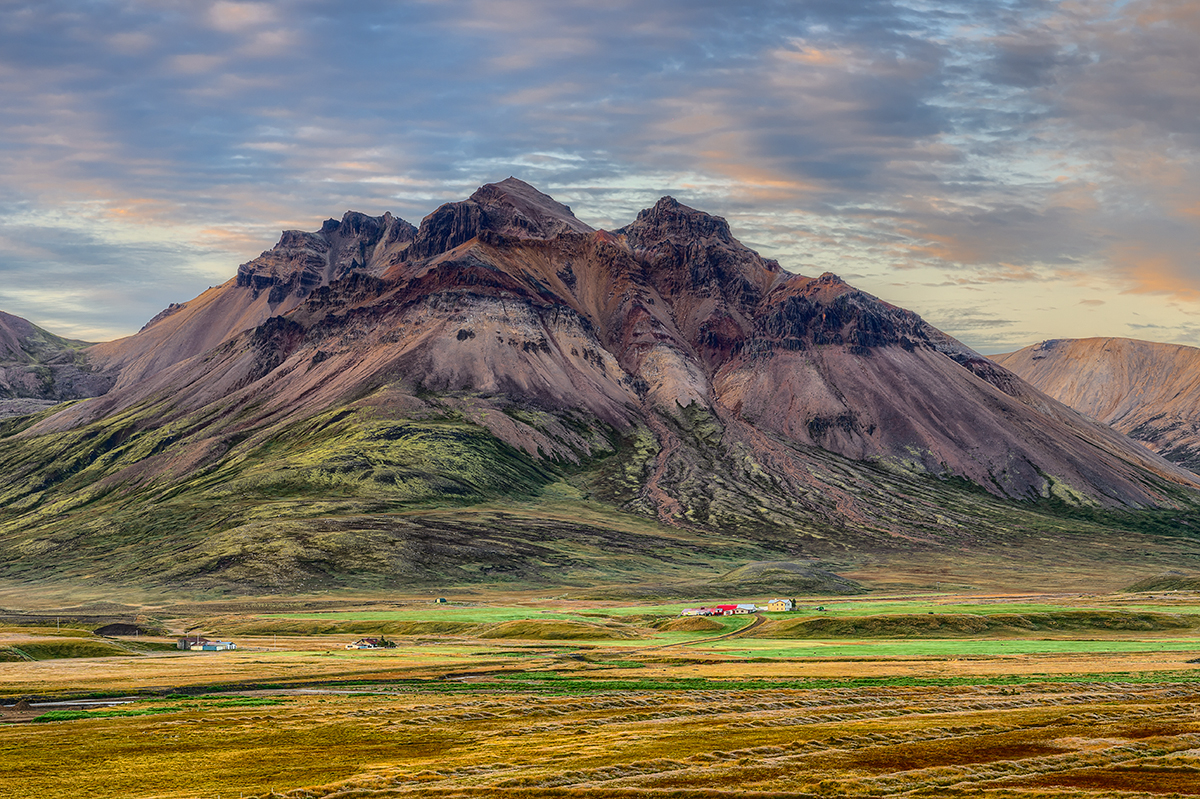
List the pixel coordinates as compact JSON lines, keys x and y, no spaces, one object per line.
{"x":757,"y":622}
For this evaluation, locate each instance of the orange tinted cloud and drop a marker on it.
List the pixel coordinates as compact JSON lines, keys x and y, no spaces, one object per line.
{"x":1152,"y":270}
{"x":236,"y":17}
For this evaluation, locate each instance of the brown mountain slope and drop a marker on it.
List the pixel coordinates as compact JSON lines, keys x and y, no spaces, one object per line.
{"x":279,"y":279}
{"x":270,"y":285}
{"x":632,"y":328}
{"x":503,"y":346}
{"x":1149,"y":391}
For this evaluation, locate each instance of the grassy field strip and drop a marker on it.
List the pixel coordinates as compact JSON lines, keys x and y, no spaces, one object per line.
{"x":1165,"y":607}
{"x":948,"y":647}
{"x":835,"y":607}
{"x":652,"y":711}
{"x":474,"y":615}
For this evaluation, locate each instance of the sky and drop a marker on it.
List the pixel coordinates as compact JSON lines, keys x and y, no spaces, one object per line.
{"x":1012,"y":170}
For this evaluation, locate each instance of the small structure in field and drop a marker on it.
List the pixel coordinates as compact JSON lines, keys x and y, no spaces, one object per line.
{"x":197,"y":643}
{"x":784,"y":605}
{"x":372,"y":643}
{"x":721,"y":610}
{"x":215,"y":646}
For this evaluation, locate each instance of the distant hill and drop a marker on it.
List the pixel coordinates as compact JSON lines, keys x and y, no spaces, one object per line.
{"x":39,"y":369}
{"x":504,"y":394}
{"x":1149,"y":391}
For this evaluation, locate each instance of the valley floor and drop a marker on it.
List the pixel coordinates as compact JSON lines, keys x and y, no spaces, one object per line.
{"x":1093,"y":696}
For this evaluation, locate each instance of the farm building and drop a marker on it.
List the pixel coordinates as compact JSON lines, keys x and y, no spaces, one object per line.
{"x":720,"y":610}
{"x":371,"y":643}
{"x":196,"y":643}
{"x":781,"y":605}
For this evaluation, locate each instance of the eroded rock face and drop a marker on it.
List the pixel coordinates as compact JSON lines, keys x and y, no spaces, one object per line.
{"x":275,"y":283}
{"x":668,"y":331}
{"x":301,"y":261}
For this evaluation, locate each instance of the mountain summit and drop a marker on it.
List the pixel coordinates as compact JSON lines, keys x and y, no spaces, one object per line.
{"x":502,"y":346}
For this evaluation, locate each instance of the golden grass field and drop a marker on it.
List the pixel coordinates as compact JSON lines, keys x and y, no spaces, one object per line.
{"x":1098,"y":698}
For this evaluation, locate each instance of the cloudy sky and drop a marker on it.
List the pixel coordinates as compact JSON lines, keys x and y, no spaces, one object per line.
{"x":1012,"y":170}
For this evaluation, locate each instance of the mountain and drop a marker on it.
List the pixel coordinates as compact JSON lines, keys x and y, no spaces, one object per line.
{"x":39,"y":369}
{"x":1149,"y":391}
{"x":505,"y":393}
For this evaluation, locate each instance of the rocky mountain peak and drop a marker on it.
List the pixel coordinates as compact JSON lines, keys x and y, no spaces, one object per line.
{"x":526,"y":211}
{"x":368,"y":228}
{"x":711,"y":279}
{"x":510,"y":208}
{"x":302,"y":261}
{"x":670,"y":220}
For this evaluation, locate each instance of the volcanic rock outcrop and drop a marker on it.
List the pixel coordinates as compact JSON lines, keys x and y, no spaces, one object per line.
{"x":1147,"y":390}
{"x":504,"y":345}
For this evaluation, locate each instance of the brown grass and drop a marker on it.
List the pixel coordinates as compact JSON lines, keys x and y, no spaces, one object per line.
{"x":691,"y":624}
{"x":552,"y":630}
{"x":467,"y":722}
{"x":1065,"y":739}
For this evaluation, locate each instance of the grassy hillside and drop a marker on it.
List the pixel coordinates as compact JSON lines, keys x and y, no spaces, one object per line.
{"x":374,"y":497}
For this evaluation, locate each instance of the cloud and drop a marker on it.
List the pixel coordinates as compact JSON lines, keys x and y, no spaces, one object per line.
{"x":196,"y":63}
{"x":966,"y":143}
{"x":75,"y":282}
{"x":231,"y":17}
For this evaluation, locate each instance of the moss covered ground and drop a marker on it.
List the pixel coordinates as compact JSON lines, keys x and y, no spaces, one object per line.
{"x":373,"y":496}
